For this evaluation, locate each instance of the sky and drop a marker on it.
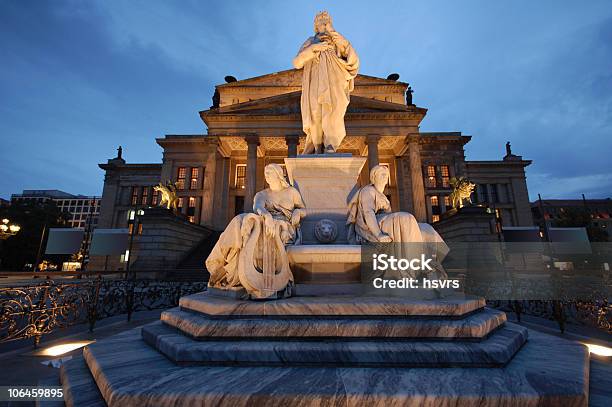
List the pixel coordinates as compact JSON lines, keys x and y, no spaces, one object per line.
{"x":79,"y":78}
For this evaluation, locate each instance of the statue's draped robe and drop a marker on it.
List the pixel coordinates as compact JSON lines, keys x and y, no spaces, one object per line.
{"x":327,"y":82}
{"x":402,"y":227}
{"x":241,"y":247}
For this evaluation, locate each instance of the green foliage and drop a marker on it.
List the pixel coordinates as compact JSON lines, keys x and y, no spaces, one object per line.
{"x":21,"y":249}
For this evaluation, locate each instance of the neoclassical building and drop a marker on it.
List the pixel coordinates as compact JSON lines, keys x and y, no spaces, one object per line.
{"x":257,"y":121}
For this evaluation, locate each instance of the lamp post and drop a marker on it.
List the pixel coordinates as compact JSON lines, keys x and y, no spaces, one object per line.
{"x":8,"y":229}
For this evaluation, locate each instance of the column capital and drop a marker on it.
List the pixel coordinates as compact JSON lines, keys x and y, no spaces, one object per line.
{"x":373,"y":138}
{"x":413,"y":138}
{"x":252,"y":139}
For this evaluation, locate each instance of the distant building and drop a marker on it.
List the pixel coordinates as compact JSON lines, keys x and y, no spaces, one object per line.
{"x":600,"y":211}
{"x":80,"y":207}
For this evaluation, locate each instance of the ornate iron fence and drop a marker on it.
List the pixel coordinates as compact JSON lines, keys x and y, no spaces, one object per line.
{"x":597,"y":314}
{"x":35,"y":310}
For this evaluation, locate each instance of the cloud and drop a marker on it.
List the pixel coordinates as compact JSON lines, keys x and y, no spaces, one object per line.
{"x":79,"y":78}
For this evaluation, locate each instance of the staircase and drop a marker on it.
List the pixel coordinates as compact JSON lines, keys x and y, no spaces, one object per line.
{"x":192,"y":267}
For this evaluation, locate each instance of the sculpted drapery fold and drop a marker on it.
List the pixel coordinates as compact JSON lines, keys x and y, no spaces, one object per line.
{"x":251,"y":252}
{"x":330,"y":66}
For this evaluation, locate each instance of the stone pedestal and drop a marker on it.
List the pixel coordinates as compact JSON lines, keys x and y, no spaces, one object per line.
{"x":329,"y":351}
{"x":326,"y":182}
{"x":471,"y":236}
{"x":165,"y":240}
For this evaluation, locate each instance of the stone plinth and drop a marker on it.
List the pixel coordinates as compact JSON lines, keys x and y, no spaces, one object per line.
{"x":325,"y":264}
{"x":472,"y":238}
{"x":325,"y":307}
{"x":467,"y":224}
{"x":165,"y":240}
{"x":325,"y":182}
{"x":161,"y":366}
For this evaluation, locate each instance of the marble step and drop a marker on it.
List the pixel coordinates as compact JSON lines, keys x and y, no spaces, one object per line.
{"x":78,"y":385}
{"x":495,"y":351}
{"x":546,"y":371}
{"x":475,"y":326}
{"x":331,"y":307}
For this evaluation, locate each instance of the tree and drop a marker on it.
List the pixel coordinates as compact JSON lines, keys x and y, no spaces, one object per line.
{"x":21,"y":249}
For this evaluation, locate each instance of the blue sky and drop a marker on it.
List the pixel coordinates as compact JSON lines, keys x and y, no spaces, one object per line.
{"x":78,"y":78}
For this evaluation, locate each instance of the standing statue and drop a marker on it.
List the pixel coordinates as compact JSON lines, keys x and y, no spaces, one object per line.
{"x":370,"y":220}
{"x":330,"y":66}
{"x":461,"y":190}
{"x":169,"y":198}
{"x":409,"y":93}
{"x":251,"y":251}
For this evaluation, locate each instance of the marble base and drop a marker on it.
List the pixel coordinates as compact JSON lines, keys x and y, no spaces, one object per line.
{"x":326,"y":307}
{"x":325,"y":263}
{"x":474,"y":327}
{"x":325,"y":182}
{"x":495,"y":351}
{"x":547,"y":371}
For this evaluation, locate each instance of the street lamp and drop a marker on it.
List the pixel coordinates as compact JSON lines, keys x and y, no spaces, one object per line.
{"x":8,"y":229}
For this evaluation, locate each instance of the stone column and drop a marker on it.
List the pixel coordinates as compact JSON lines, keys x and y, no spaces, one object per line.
{"x":251,"y":172}
{"x":292,"y":144}
{"x":208,"y":187}
{"x":372,"y":142}
{"x":416,"y":176}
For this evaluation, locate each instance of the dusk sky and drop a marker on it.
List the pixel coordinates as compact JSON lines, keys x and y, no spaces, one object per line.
{"x":79,"y":78}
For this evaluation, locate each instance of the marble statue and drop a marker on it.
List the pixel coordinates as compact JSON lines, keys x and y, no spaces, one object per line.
{"x":169,"y":198}
{"x":370,"y":220}
{"x":330,"y":66}
{"x":251,"y":251}
{"x":461,"y":191}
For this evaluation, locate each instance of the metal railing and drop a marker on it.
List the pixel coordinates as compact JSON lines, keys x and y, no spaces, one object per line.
{"x":63,"y":299}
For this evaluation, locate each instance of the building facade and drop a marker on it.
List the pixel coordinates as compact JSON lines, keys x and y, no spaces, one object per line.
{"x":84,"y":210}
{"x":257,"y":121}
{"x":552,"y":210}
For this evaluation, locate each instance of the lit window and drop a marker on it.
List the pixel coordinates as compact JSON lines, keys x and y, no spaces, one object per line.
{"x":433,"y":200}
{"x":180,"y":202}
{"x":240,"y":179}
{"x":445,"y":176}
{"x":447,"y":201}
{"x":134,"y":195}
{"x":155,"y":198}
{"x":181,"y":176}
{"x":191,"y":219}
{"x":140,"y":228}
{"x":435,"y":218}
{"x":145,"y":195}
{"x":192,"y":202}
{"x":431,"y":176}
{"x":193,"y":181}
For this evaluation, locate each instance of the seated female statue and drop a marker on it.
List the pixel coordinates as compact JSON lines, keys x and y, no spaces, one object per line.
{"x":251,"y":251}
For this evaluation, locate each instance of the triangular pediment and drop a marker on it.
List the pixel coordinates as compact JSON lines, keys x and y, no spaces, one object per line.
{"x":293,"y":77}
{"x":289,"y":103}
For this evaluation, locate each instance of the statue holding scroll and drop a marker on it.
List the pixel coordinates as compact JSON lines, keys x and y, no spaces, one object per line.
{"x":330,"y":65}
{"x":251,"y":251}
